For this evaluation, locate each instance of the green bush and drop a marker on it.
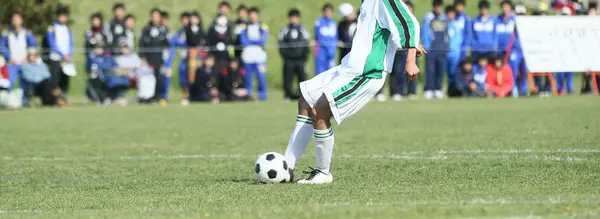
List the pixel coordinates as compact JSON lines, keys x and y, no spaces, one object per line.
{"x":37,"y":14}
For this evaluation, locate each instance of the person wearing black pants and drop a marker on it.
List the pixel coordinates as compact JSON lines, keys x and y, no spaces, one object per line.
{"x":154,"y":41}
{"x":293,"y":47}
{"x":58,"y":47}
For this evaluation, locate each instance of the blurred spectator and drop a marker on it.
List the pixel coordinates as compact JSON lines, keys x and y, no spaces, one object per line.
{"x":294,"y":48}
{"x":499,"y":78}
{"x":95,"y":88}
{"x":224,"y":9}
{"x":164,"y":18}
{"x":14,"y":45}
{"x":346,"y":28}
{"x":253,"y":39}
{"x":231,"y":83}
{"x":326,"y":39}
{"x":179,"y":41}
{"x":464,"y":26}
{"x":94,"y":36}
{"x":60,"y":44}
{"x":240,"y":25}
{"x":562,"y":6}
{"x":194,"y":33}
{"x":168,"y":58}
{"x":505,"y":26}
{"x":455,"y":37}
{"x":434,"y":36}
{"x":516,"y":59}
{"x":153,"y":42}
{"x":565,"y":77}
{"x":36,"y":80}
{"x":129,"y":30}
{"x":117,"y":27}
{"x":104,"y":66}
{"x":205,"y":86}
{"x":218,"y":41}
{"x":4,"y":82}
{"x":483,"y":37}
{"x":467,"y":83}
{"x":8,"y":99}
{"x":129,"y":66}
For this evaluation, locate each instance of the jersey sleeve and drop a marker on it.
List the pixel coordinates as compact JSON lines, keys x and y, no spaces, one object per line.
{"x":395,"y":16}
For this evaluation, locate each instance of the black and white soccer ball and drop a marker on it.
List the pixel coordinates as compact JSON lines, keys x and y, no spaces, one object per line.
{"x":271,"y":167}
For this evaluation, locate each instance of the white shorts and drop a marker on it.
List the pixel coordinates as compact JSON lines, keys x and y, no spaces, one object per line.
{"x":346,"y":94}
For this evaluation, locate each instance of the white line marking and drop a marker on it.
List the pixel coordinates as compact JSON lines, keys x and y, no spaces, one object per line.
{"x":408,"y":155}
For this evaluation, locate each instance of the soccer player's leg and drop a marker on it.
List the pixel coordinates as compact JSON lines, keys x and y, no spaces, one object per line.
{"x":324,"y":140}
{"x":311,"y":91}
{"x":300,"y":136}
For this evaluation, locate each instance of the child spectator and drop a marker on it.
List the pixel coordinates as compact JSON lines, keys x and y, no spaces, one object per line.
{"x":483,"y":38}
{"x":499,"y":78}
{"x":456,"y":42}
{"x":231,"y":83}
{"x":480,"y":70}
{"x":8,"y":99}
{"x":36,"y":81}
{"x":104,"y":67}
{"x":205,"y":86}
{"x":434,"y":35}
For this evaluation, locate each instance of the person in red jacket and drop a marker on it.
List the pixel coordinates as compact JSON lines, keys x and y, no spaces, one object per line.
{"x":499,"y":79}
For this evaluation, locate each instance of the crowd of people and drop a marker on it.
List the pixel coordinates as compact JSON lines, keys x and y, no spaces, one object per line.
{"x":221,"y":62}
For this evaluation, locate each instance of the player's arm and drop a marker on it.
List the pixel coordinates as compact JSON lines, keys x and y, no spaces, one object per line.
{"x":395,"y":16}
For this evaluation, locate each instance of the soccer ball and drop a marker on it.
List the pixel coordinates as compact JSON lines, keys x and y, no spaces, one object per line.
{"x":271,"y":167}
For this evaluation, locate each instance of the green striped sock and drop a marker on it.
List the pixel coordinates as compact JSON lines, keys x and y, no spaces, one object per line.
{"x":303,"y":119}
{"x":324,"y":133}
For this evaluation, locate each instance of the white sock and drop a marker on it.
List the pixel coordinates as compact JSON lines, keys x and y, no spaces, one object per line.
{"x":299,"y":140}
{"x":324,"y":149}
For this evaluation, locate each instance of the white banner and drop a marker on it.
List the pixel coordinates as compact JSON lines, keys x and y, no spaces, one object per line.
{"x":560,"y":43}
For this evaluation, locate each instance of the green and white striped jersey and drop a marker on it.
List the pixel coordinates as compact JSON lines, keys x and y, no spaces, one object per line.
{"x":384,"y":26}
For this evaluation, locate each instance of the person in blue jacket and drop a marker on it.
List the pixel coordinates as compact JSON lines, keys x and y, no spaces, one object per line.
{"x":516,"y":60}
{"x":179,"y":41}
{"x":58,"y":47}
{"x":435,"y":39}
{"x":14,"y":44}
{"x":326,"y":38}
{"x":253,"y":40}
{"x":463,"y":23}
{"x":483,"y":36}
{"x":168,"y":57}
{"x":455,"y":37}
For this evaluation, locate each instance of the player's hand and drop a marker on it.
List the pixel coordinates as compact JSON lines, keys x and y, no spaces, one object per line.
{"x":421,"y":51}
{"x":412,"y":71}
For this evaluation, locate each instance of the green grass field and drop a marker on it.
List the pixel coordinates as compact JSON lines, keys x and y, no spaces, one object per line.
{"x":475,"y":158}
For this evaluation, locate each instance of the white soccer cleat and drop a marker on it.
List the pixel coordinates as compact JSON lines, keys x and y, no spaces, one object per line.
{"x":381,"y":97}
{"x":397,"y":97}
{"x":316,"y":177}
{"x":428,"y":95}
{"x":438,"y":94}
